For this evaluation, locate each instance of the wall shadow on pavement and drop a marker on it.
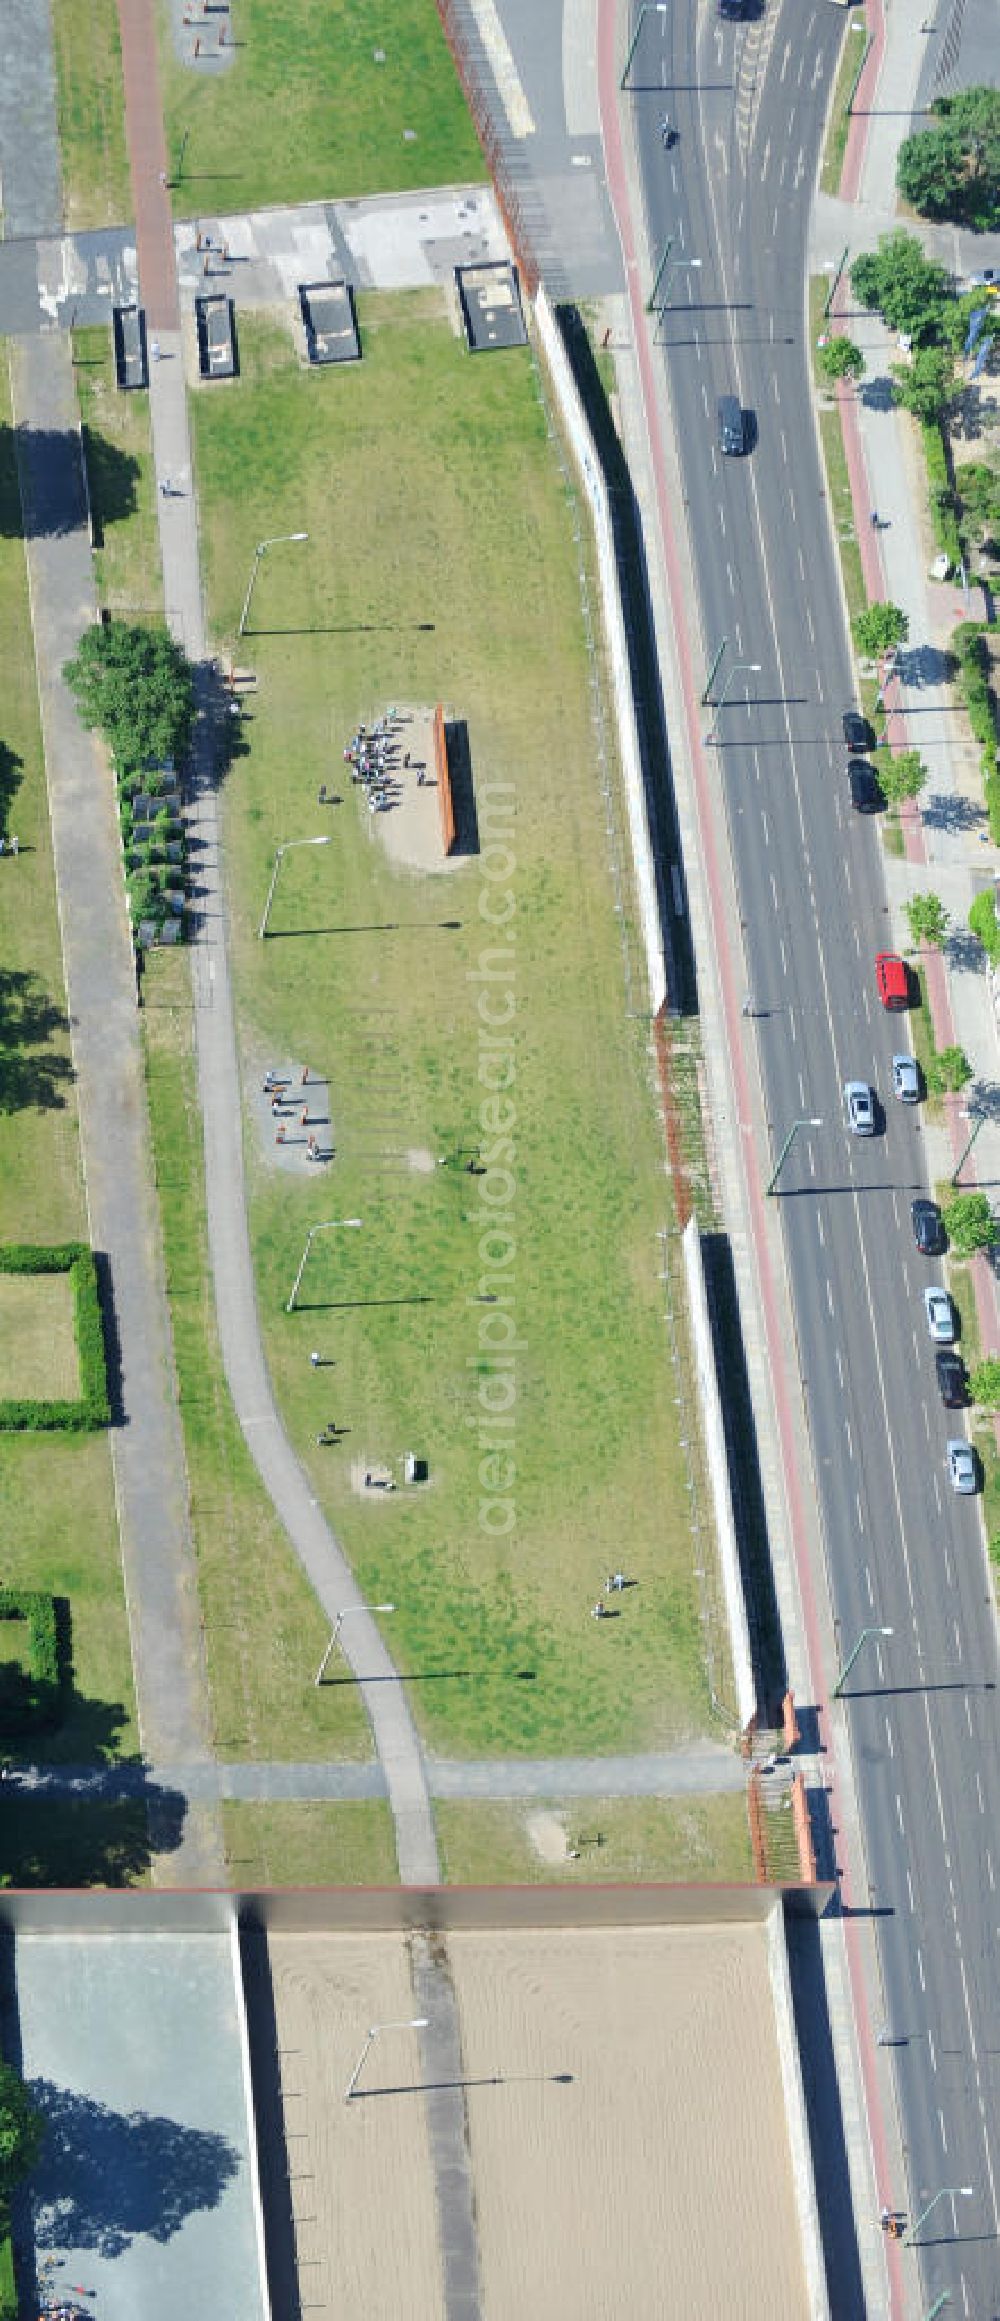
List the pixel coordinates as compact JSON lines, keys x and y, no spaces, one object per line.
{"x":273,"y":2163}
{"x":749,"y":1511}
{"x":644,"y":669}
{"x":823,"y":2114}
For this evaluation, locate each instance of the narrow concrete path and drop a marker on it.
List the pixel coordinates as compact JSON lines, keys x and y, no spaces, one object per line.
{"x":146,"y":1447}
{"x":697,"y":1772}
{"x":320,"y":1554}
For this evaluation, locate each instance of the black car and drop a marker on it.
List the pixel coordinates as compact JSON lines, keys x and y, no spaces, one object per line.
{"x":866,"y":794}
{"x":734,"y":10}
{"x":928,"y":1232}
{"x":858,"y":734}
{"x":950,"y":1377}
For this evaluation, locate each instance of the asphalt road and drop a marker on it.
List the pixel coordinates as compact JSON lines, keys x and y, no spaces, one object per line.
{"x":749,"y":104}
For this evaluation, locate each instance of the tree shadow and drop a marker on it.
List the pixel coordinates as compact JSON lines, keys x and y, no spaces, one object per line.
{"x":112,"y":480}
{"x":876,"y":393}
{"x":10,"y":783}
{"x":107,"y":2178}
{"x":964,"y":951}
{"x":982,"y":1097}
{"x":29,"y":1075}
{"x":918,"y":665}
{"x":54,"y":498}
{"x":948,"y":810}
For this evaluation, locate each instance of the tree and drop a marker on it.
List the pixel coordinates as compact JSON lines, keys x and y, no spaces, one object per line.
{"x":950,"y":1070}
{"x":22,"y":2129}
{"x":898,"y":282}
{"x":970,"y":1224}
{"x":927,"y":916}
{"x":927,"y":385}
{"x":978,"y":489}
{"x":952,"y":170}
{"x":136,"y":684}
{"x":880,"y":628}
{"x":840,"y":359}
{"x":983,"y":921}
{"x":900,"y":778}
{"x":985,"y":1383}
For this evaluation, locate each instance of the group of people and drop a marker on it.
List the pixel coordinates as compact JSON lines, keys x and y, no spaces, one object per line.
{"x":373,"y":754}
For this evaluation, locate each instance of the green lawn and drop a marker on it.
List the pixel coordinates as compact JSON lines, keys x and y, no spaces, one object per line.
{"x":691,"y":1840}
{"x":852,"y":56}
{"x":264,"y":1630}
{"x":309,"y":1845}
{"x":38,"y":1357}
{"x":91,"y":111}
{"x":121,"y":479}
{"x":57,"y":1508}
{"x":451,"y":574}
{"x":304,"y":112}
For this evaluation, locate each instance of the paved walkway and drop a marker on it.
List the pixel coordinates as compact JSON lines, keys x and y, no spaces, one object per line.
{"x":320,"y":1554}
{"x":706,"y":1771}
{"x":146,"y":1445}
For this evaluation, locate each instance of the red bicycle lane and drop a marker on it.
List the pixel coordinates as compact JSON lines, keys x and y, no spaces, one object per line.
{"x":148,"y":164}
{"x":772,"y":1303}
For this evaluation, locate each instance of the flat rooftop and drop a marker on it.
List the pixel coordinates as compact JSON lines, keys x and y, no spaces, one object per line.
{"x":491,"y":306}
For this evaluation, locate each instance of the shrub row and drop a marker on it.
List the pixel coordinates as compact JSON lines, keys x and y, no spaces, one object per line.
{"x":40,"y":1704}
{"x":944,"y":511}
{"x":92,"y":1409}
{"x":969,"y":642}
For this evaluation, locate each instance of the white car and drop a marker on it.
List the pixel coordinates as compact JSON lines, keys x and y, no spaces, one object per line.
{"x":940,"y":1316}
{"x":961,"y":1467}
{"x":859,"y":1105}
{"x":906,"y":1079}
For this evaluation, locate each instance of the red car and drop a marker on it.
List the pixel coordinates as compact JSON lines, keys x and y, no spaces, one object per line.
{"x":893,"y":979}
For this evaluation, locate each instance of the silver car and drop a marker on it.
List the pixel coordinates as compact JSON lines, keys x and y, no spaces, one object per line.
{"x":961,"y":1467}
{"x":940,"y":1316}
{"x":906,"y":1079}
{"x":859,"y":1105}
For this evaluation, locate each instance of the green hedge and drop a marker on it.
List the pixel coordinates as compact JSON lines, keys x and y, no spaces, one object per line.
{"x":980,"y":702}
{"x":93,"y":1408}
{"x":9,"y":2307}
{"x":45,"y":1662}
{"x":944,"y":513}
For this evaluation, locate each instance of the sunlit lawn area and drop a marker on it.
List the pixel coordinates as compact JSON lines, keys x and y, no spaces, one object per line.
{"x":307,"y":112}
{"x":312,"y":1844}
{"x":37,"y":1348}
{"x":441,"y":564}
{"x":121,"y":481}
{"x":57,"y":1507}
{"x":264,"y":1630}
{"x":91,"y":109}
{"x":684,"y":1839}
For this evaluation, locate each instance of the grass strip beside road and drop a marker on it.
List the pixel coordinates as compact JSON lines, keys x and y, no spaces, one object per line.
{"x":451,"y":573}
{"x":307,"y":112}
{"x":90,"y":103}
{"x":312,"y":1844}
{"x":688,"y":1840}
{"x":121,"y":482}
{"x":852,"y":57}
{"x":265,"y":1632}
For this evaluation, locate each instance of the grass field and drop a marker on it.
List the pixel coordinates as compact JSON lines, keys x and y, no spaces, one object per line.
{"x":264,"y":1630}
{"x":692,"y":1840}
{"x":305,"y":113}
{"x":309,"y":1845}
{"x":121,"y":480}
{"x":452,"y":574}
{"x":37,"y":1346}
{"x":57,"y":1507}
{"x":91,"y":110}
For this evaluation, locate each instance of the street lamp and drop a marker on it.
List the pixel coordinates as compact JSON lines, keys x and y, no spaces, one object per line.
{"x":980,"y":1119}
{"x":665,"y":297}
{"x":786,"y":1149}
{"x":282,"y":851}
{"x":647,"y":8}
{"x":345,"y":1614}
{"x":947,"y":2192}
{"x":849,"y":1663}
{"x":281,"y":540}
{"x":327,"y":1226}
{"x":415,"y":2023}
{"x":753,"y":668}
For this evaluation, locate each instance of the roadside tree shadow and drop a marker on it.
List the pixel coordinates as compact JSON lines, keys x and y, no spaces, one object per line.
{"x":964,"y":951}
{"x":949,"y":810}
{"x":876,"y":393}
{"x":112,"y":478}
{"x":107,"y":2178}
{"x":10,"y":783}
{"x":32,"y":1073}
{"x":918,"y":665}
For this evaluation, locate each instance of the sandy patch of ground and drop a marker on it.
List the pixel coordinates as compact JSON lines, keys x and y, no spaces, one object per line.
{"x":291,"y":1114}
{"x":656,"y":2178}
{"x":548,"y":1836}
{"x":361,"y":2181}
{"x":38,"y":1360}
{"x":410,"y":829}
